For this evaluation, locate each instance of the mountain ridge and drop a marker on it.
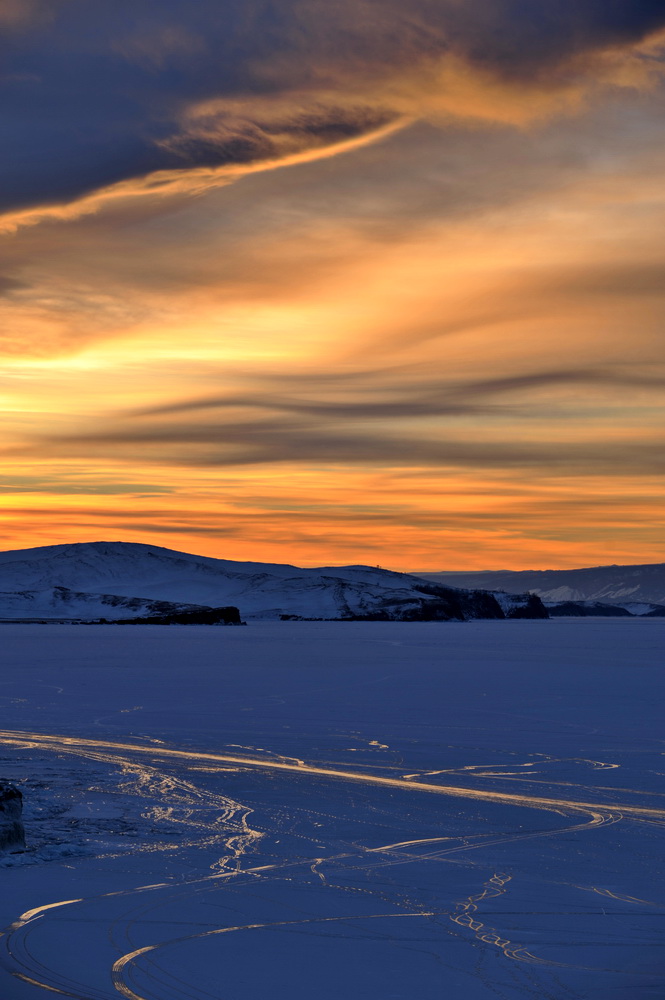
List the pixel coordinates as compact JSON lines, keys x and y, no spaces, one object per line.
{"x":140,"y":572}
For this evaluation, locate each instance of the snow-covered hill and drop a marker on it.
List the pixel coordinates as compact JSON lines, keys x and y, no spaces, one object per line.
{"x":60,"y":602}
{"x":623,"y":585}
{"x":85,"y":579}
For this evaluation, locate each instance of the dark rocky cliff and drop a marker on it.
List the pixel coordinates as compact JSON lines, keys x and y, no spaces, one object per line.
{"x":203,"y":616}
{"x":12,"y":835}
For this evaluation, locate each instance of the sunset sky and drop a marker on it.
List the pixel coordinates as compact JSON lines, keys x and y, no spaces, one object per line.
{"x":335,"y":281}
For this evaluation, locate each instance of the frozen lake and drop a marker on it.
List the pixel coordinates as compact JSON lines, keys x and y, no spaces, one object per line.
{"x":315,"y":810}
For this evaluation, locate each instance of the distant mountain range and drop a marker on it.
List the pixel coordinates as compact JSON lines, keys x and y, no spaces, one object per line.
{"x":89,"y":581}
{"x":628,"y":586}
{"x":120,"y":580}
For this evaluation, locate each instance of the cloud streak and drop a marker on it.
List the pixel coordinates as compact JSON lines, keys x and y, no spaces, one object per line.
{"x":396,"y":396}
{"x":388,"y":424}
{"x":264,"y":154}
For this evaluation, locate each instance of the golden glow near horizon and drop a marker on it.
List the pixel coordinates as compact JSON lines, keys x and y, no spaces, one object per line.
{"x":438,"y":346}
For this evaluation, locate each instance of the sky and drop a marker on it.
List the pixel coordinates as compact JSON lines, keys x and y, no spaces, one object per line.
{"x":335,"y":281}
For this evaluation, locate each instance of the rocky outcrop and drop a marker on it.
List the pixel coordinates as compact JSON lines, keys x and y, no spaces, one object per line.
{"x":12,"y":836}
{"x":445,"y":604}
{"x":432,"y":603}
{"x":448,"y":604}
{"x":521,"y":605}
{"x":204,"y":616}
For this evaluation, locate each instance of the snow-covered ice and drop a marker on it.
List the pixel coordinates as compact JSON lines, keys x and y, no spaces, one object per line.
{"x":335,"y":810}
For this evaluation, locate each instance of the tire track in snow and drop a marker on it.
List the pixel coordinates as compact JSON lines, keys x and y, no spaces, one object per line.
{"x":112,"y":752}
{"x":64,"y":743}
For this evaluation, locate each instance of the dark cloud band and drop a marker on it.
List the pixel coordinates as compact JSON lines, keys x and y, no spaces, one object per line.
{"x":403,"y":424}
{"x":98,"y":94}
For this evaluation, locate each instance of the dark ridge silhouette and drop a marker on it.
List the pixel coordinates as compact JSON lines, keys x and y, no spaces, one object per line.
{"x":587,"y":609}
{"x":206,"y":616}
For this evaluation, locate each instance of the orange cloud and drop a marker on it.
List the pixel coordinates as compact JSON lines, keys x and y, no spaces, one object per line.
{"x":439,"y":351}
{"x":343,"y":104}
{"x":187,"y":181}
{"x":404,"y":519}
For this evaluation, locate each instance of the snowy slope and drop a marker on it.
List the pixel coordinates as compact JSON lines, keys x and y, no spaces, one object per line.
{"x":260,"y":590}
{"x":60,"y":602}
{"x":642,"y":609}
{"x":611,"y":584}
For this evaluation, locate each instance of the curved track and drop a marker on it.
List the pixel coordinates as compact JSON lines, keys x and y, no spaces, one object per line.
{"x":354,"y":893}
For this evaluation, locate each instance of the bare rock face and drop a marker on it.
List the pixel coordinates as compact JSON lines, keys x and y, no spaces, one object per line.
{"x":12,"y":835}
{"x":521,"y":605}
{"x":200,"y":616}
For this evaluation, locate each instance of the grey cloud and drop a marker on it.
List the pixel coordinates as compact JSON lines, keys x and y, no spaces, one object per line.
{"x":259,"y":444}
{"x":260,"y":427}
{"x":543,"y":513}
{"x":530,"y":293}
{"x":389,"y":393}
{"x":265,"y":237}
{"x":9,"y":284}
{"x":69,"y":486}
{"x":100,"y":93}
{"x":19,"y":15}
{"x":635,"y":278}
{"x":523,"y":37}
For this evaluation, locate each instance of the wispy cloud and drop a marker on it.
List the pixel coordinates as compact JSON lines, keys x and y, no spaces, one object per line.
{"x":192,"y":96}
{"x":435,"y":338}
{"x":262,"y":153}
{"x":389,"y":393}
{"x":388,"y":423}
